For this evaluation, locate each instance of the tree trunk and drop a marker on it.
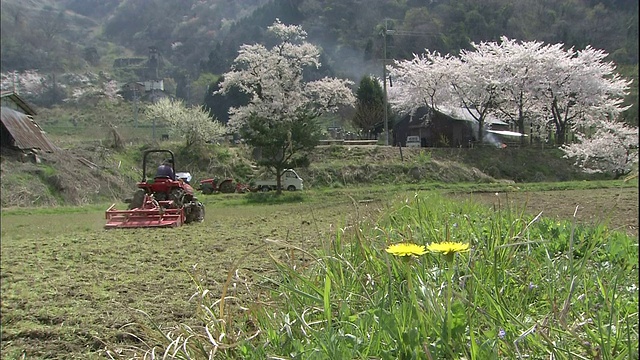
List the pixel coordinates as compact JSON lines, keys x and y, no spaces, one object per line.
{"x":561,"y":133}
{"x":560,"y":122}
{"x":520,"y":124}
{"x":279,"y":182}
{"x":118,"y":143}
{"x":480,"y":131}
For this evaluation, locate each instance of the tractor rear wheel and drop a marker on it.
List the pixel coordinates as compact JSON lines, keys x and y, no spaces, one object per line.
{"x":194,"y":211}
{"x":227,"y":187}
{"x":138,"y":199}
{"x":177,"y":195}
{"x":207,"y":189}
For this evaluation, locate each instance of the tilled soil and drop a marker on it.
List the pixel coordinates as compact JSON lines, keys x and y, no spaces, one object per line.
{"x":615,"y":207}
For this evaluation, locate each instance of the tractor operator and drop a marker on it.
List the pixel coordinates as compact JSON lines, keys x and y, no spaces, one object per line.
{"x":166,"y":169}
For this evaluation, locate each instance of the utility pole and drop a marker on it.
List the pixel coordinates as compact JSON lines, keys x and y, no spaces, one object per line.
{"x":135,"y":107}
{"x":188,"y":89}
{"x":384,"y":81}
{"x":385,"y":78}
{"x":153,"y":100}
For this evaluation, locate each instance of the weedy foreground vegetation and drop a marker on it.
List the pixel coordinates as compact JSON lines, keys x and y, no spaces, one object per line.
{"x":307,"y":276}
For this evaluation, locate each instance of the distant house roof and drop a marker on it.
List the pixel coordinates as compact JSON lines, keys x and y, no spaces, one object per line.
{"x":22,"y":132}
{"x":133,"y":85}
{"x":460,"y":113}
{"x":20,"y":104}
{"x":419,"y":115}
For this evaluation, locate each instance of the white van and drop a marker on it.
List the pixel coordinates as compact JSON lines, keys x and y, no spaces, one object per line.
{"x":413,"y":141}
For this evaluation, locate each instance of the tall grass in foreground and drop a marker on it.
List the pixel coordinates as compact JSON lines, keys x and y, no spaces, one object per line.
{"x":527,"y":288}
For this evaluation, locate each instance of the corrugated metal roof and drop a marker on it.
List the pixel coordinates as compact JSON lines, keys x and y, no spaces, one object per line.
{"x":25,"y":132}
{"x":460,"y":113}
{"x":455,"y":113}
{"x":18,"y":100}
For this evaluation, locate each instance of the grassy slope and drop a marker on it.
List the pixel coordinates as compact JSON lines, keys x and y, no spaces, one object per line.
{"x":61,"y":179}
{"x":380,"y":165}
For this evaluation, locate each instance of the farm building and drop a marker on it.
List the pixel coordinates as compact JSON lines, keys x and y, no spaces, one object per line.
{"x":151,"y":89}
{"x":448,"y":127}
{"x":19,"y":131}
{"x":131,"y":90}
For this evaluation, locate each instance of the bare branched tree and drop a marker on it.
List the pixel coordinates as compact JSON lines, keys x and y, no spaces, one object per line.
{"x":367,"y":117}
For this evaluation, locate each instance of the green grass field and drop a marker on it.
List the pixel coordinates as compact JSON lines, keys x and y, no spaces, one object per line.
{"x":307,"y":277}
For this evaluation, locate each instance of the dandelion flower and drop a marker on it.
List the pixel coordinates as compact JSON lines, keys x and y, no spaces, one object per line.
{"x":406,"y":249}
{"x":448,"y":247}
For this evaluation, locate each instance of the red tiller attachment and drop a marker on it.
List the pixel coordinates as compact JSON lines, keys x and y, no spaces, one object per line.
{"x":152,"y":213}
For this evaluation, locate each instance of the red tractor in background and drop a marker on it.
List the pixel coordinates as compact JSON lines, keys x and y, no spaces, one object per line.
{"x":158,"y":202}
{"x":225,"y":186}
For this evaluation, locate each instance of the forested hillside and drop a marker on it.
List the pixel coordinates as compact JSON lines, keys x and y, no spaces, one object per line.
{"x":189,"y":31}
{"x":199,"y":37}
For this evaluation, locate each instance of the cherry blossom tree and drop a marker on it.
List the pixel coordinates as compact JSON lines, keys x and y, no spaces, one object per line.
{"x":421,"y":81}
{"x":29,"y":83}
{"x":279,"y":120}
{"x":468,"y":81}
{"x":191,"y":123}
{"x":589,"y":102}
{"x":611,"y":148}
{"x":545,"y":84}
{"x":477,"y":82}
{"x":106,"y":89}
{"x":74,"y":88}
{"x":522,"y":70}
{"x":37,"y":88}
{"x":580,"y":89}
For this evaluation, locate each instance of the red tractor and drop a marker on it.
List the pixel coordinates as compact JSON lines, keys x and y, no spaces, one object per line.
{"x":210,"y":186}
{"x":158,"y":202}
{"x":225,"y":186}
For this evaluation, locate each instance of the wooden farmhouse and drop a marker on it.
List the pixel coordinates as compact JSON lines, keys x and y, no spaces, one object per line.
{"x":449,"y":127}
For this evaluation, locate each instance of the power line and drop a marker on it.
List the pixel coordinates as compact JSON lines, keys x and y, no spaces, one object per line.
{"x":410,"y":33}
{"x":391,"y":32}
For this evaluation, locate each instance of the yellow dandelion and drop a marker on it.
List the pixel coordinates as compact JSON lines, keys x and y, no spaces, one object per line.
{"x":448,"y":247}
{"x":406,"y":249}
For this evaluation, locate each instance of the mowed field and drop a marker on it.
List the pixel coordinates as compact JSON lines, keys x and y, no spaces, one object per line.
{"x":72,"y":290}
